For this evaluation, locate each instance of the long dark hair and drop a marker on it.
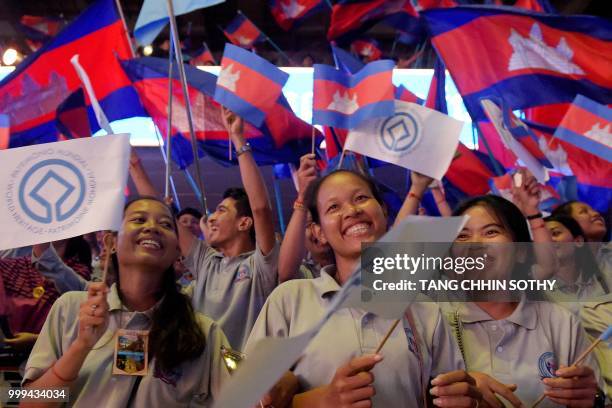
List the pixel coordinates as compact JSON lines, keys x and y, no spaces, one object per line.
{"x":584,"y":258}
{"x":512,"y":220}
{"x":505,"y":211}
{"x":175,"y":335}
{"x":313,"y":191}
{"x":78,"y":248}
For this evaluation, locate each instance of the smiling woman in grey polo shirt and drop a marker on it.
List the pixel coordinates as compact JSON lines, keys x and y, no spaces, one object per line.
{"x":338,"y":368}
{"x":517,"y":349}
{"x":76,"y":346}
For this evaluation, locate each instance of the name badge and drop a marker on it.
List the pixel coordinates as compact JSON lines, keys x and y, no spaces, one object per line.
{"x":131,"y":352}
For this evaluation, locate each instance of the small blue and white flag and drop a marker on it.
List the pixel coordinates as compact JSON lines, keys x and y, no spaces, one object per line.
{"x":59,"y":190}
{"x":153,"y":16}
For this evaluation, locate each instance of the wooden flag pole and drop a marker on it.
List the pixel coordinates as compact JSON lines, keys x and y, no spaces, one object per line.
{"x":181,"y":68}
{"x":384,"y":340}
{"x":603,"y":337}
{"x":312,"y":148}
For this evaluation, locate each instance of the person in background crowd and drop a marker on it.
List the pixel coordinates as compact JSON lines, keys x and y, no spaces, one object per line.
{"x":307,"y":60}
{"x":190,"y":218}
{"x":76,"y":347}
{"x":338,"y":368}
{"x":590,"y":220}
{"x":582,"y":288}
{"x":237,"y":267}
{"x":578,"y":274}
{"x":517,"y":350}
{"x":302,"y":254}
{"x":33,"y":283}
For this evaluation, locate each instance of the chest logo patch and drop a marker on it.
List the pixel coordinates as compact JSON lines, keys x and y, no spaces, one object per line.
{"x":547,"y":365}
{"x":243,"y":273}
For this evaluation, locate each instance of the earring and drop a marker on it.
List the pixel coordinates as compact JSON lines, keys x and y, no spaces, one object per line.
{"x":113,"y":250}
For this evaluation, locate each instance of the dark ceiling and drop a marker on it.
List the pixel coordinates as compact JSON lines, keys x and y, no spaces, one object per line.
{"x":204,"y":24}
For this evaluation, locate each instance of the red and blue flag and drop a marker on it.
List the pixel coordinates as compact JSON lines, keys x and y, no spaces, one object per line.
{"x":350,"y":18}
{"x":203,"y":56}
{"x":248,"y":84}
{"x":436,"y":97}
{"x":368,"y":49}
{"x":493,"y":51}
{"x":282,"y":138}
{"x":344,"y":100}
{"x":593,"y":174}
{"x":71,"y":117}
{"x":541,"y":6}
{"x":242,"y":32}
{"x":5,"y":130}
{"x":40,"y":28}
{"x":588,"y":125}
{"x":31,"y":94}
{"x":289,"y":12}
{"x":350,"y":64}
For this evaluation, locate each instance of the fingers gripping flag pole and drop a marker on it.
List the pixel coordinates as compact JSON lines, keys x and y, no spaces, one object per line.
{"x":181,"y":69}
{"x":100,"y":116}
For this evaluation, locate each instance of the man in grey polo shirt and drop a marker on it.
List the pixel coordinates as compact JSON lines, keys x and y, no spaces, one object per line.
{"x":237,"y":267}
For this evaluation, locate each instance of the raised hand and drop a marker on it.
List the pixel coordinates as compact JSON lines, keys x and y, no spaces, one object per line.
{"x":235,"y":127}
{"x":93,"y":315}
{"x":526,"y":192}
{"x":306,"y":174}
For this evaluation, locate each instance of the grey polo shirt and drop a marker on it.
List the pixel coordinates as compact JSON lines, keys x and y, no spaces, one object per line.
{"x":297,"y":305}
{"x":596,"y":317}
{"x":194,"y":383}
{"x":232,"y":291}
{"x":523,"y":348}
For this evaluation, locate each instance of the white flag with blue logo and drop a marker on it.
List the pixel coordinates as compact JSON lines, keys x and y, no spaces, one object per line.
{"x":415,"y":137}
{"x":153,"y":16}
{"x":60,"y":190}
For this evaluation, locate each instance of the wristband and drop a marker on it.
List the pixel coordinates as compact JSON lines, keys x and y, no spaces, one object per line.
{"x":245,"y":148}
{"x":411,"y":194}
{"x":59,"y":376}
{"x":299,"y":205}
{"x":534,"y":216}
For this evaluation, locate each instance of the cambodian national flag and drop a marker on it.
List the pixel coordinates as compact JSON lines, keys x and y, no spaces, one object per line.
{"x":588,"y":125}
{"x":343,"y":100}
{"x":436,"y":97}
{"x":352,"y":17}
{"x":593,"y":174}
{"x":348,"y":63}
{"x":31,"y":94}
{"x":288,"y":12}
{"x":242,"y":32}
{"x":368,"y":49}
{"x":203,"y":56}
{"x":72,"y":119}
{"x":248,"y":84}
{"x":153,"y":16}
{"x":528,"y":58}
{"x":40,"y":28}
{"x":5,"y":130}
{"x":282,"y":138}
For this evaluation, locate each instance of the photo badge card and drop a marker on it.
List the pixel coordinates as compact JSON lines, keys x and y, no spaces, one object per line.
{"x":131,"y":352}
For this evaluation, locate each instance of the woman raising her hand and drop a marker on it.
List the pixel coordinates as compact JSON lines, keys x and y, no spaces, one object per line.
{"x":78,"y":346}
